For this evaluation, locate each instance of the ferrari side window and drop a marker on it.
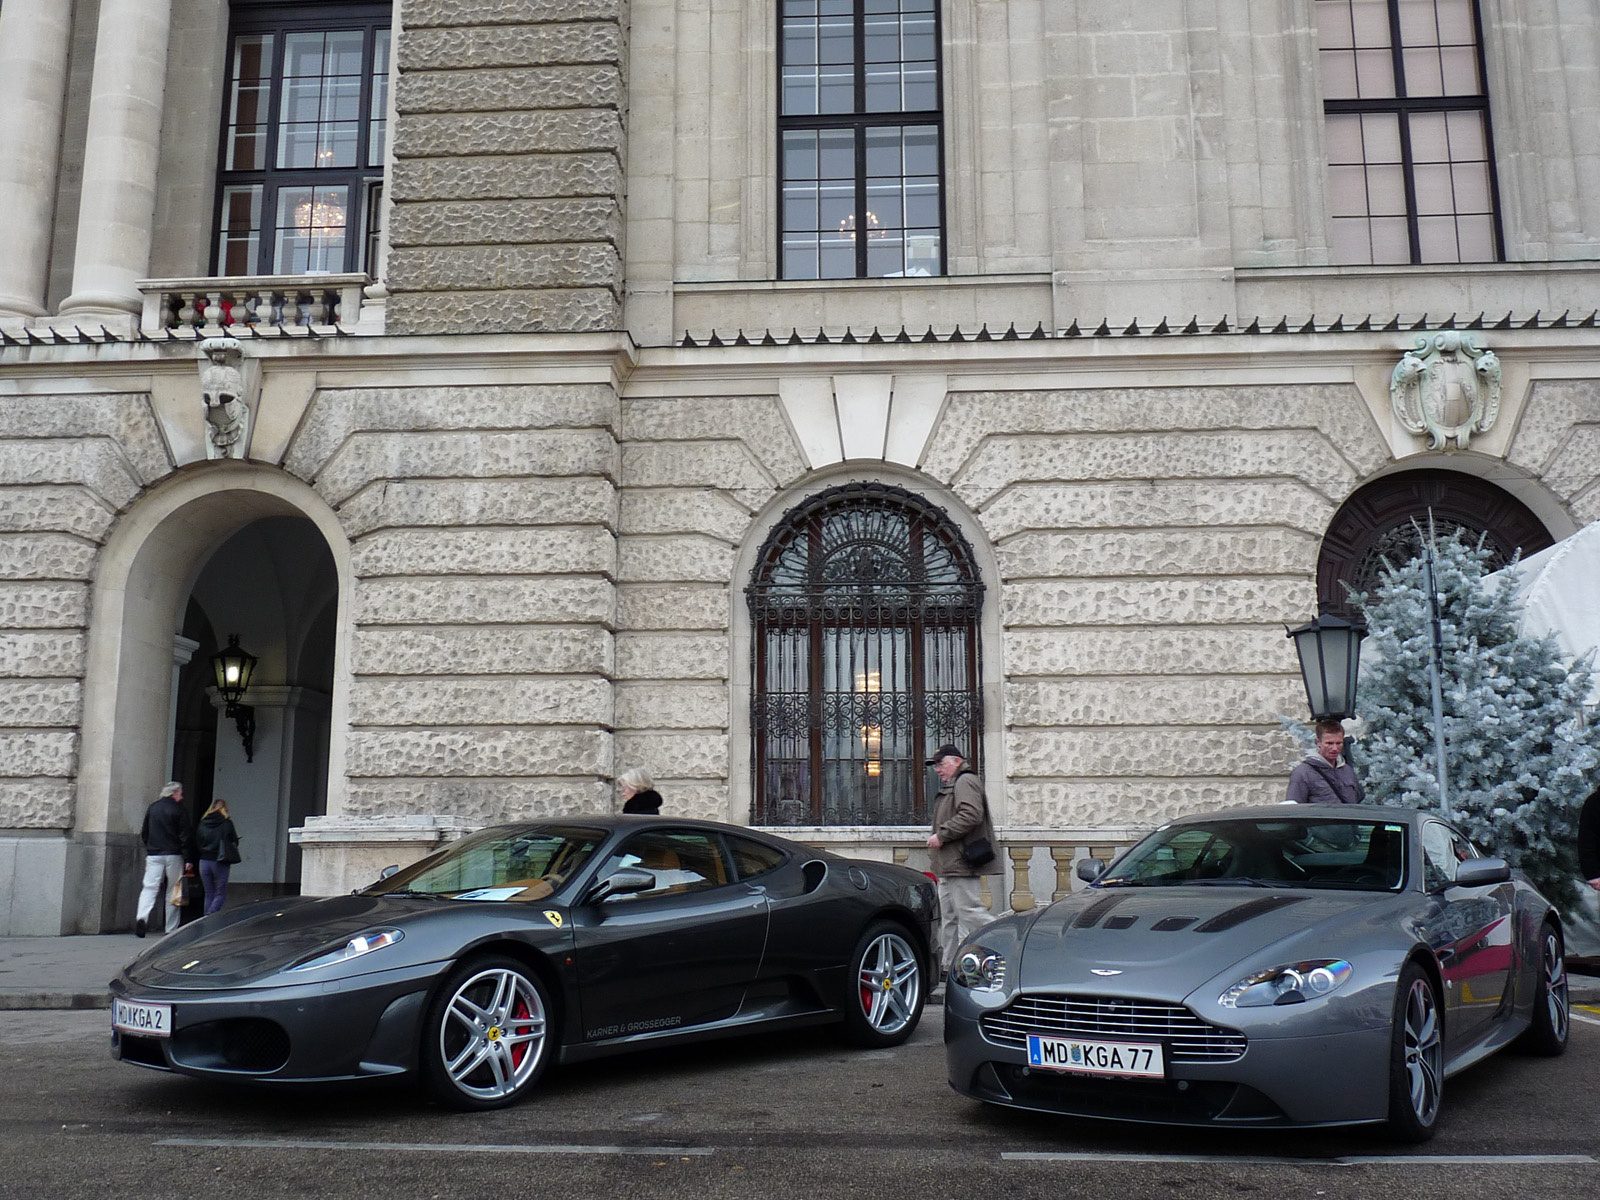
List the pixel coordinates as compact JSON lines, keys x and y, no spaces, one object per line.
{"x":681,"y":861}
{"x":753,"y":858}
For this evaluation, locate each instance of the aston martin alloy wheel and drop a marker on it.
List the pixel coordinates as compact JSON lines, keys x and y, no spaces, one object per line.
{"x":888,"y":993}
{"x":1416,"y":1072}
{"x":486,"y":1038}
{"x":1552,"y":1017}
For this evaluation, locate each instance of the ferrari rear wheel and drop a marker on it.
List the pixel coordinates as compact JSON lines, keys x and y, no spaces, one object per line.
{"x":887,"y":990}
{"x":1416,"y":1065}
{"x":486,"y":1038}
{"x":1552,"y":1017}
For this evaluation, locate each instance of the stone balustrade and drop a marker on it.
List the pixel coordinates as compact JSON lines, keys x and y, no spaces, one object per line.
{"x":1039,"y":864}
{"x":280,"y":305}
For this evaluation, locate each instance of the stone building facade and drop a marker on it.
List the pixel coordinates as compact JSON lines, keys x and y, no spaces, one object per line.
{"x":536,"y":385}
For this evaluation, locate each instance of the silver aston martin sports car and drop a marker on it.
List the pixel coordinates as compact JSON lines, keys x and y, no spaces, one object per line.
{"x":1292,"y":965}
{"x":477,"y":967}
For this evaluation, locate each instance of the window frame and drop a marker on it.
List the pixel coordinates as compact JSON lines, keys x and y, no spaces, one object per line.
{"x":1403,"y":106}
{"x":859,"y":121}
{"x":939,"y":624}
{"x":364,"y":181}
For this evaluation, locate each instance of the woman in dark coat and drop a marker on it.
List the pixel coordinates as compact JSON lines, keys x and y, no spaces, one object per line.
{"x":219,"y":850}
{"x":639,"y":793}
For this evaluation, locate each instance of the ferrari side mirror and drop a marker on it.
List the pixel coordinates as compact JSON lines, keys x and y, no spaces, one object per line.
{"x":624,"y":882}
{"x":1090,"y":869}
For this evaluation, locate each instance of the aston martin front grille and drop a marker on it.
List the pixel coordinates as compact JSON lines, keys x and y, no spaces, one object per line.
{"x":1188,"y":1039}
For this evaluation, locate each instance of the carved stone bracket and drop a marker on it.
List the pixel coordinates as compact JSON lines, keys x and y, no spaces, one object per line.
{"x":1448,"y":387}
{"x":226,"y":397}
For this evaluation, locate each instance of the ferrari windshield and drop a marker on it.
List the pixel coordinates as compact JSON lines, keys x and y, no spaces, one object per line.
{"x":518,"y":864}
{"x":1298,"y":852}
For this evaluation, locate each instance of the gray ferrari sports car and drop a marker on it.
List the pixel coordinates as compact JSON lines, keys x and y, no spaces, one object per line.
{"x":526,"y":944}
{"x":1292,"y":965}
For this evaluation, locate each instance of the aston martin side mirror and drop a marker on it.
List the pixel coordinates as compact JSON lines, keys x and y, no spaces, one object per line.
{"x":1481,"y":872}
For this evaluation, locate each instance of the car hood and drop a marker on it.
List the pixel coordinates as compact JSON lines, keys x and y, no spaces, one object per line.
{"x":267,"y":938}
{"x":1164,"y":942}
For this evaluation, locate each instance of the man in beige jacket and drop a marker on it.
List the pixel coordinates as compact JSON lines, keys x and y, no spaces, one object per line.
{"x":960,"y":817}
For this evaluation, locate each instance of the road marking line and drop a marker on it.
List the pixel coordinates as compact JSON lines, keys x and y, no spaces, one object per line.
{"x":1351,"y":1160}
{"x":433,"y":1147}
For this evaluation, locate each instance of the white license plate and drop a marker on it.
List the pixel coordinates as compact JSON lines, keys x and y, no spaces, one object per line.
{"x":147,"y":1020}
{"x":1141,"y":1059}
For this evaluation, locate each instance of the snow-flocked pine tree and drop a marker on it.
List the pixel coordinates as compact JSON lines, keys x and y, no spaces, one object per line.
{"x":1521,"y":759}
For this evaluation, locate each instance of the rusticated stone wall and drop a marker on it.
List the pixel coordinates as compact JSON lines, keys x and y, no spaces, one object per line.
{"x":482,"y":523}
{"x":1152,"y":542}
{"x":695,"y":469}
{"x":68,"y":463}
{"x":508,"y":167}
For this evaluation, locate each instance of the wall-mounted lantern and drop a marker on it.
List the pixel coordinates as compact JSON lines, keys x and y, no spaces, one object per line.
{"x":234,"y":666}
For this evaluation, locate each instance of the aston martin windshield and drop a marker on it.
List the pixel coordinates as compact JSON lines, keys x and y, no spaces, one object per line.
{"x":1368,"y":856}
{"x":515,"y":864}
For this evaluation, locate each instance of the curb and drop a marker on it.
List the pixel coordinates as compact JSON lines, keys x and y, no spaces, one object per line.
{"x":53,"y":1001}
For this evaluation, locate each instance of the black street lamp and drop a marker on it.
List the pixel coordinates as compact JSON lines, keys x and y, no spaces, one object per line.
{"x":1330,"y":653}
{"x":233,"y":667}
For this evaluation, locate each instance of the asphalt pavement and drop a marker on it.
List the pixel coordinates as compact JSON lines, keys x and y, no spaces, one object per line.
{"x":76,"y":972}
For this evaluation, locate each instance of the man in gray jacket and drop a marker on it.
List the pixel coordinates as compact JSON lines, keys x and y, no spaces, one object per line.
{"x":1326,"y":776}
{"x":960,"y":817}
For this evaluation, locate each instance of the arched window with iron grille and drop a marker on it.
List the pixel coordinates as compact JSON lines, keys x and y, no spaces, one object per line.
{"x":865,"y":657}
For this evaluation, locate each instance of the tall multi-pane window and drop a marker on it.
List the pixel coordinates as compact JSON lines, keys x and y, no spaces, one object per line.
{"x":860,"y":131}
{"x":865,"y":607}
{"x":303,"y":138}
{"x":1410,"y":157}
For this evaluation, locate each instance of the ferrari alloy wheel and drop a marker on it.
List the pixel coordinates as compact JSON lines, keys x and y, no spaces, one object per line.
{"x":486,"y":1038}
{"x":1547,"y":1033}
{"x":1416,"y":1070}
{"x":888,"y":993}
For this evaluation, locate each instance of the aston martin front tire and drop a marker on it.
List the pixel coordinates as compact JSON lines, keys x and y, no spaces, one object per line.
{"x":487,"y":1036}
{"x":1552,"y":1017}
{"x":888,"y":987}
{"x":1416,"y":1058}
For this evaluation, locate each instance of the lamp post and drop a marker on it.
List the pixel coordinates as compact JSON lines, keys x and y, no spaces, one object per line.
{"x":1330,"y":655}
{"x":233,"y":668}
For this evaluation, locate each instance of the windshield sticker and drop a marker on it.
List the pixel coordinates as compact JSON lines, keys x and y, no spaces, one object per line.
{"x":489,"y":893}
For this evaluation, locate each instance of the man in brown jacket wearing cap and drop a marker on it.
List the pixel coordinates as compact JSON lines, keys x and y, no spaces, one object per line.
{"x":960,"y":817}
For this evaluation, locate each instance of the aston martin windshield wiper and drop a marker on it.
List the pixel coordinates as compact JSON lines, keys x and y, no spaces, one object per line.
{"x":1238,"y":881}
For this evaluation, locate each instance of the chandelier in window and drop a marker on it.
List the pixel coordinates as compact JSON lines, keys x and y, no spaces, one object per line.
{"x":318,"y":215}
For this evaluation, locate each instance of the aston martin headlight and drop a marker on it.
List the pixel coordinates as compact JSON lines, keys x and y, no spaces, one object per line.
{"x":980,"y":969}
{"x":362,"y":943}
{"x":1294,"y":984}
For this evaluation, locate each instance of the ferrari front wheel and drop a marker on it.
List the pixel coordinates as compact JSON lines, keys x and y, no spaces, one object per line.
{"x":887,"y":990}
{"x":1416,"y":1058}
{"x":486,"y":1037}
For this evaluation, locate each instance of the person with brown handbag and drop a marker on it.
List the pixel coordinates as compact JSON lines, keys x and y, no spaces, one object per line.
{"x":961,"y":850}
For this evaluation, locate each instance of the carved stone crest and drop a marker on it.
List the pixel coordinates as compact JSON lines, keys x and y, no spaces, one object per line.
{"x":1447,"y":387}
{"x":222,"y":390}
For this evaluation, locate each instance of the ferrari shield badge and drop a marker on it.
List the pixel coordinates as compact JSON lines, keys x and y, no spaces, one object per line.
{"x":553,"y":917}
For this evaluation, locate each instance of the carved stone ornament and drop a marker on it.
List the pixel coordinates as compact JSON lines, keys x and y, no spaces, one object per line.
{"x":222,"y":389}
{"x":1447,"y":387}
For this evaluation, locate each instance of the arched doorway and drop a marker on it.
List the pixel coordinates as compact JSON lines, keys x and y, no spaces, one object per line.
{"x":865,"y":653}
{"x":230,"y":549}
{"x":1376,"y":523}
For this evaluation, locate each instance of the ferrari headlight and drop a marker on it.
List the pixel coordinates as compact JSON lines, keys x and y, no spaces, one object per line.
{"x":980,"y":969}
{"x":362,"y":943}
{"x":1294,"y":984}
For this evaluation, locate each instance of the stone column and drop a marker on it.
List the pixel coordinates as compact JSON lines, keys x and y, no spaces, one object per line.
{"x":34,"y":39}
{"x":123,"y":147}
